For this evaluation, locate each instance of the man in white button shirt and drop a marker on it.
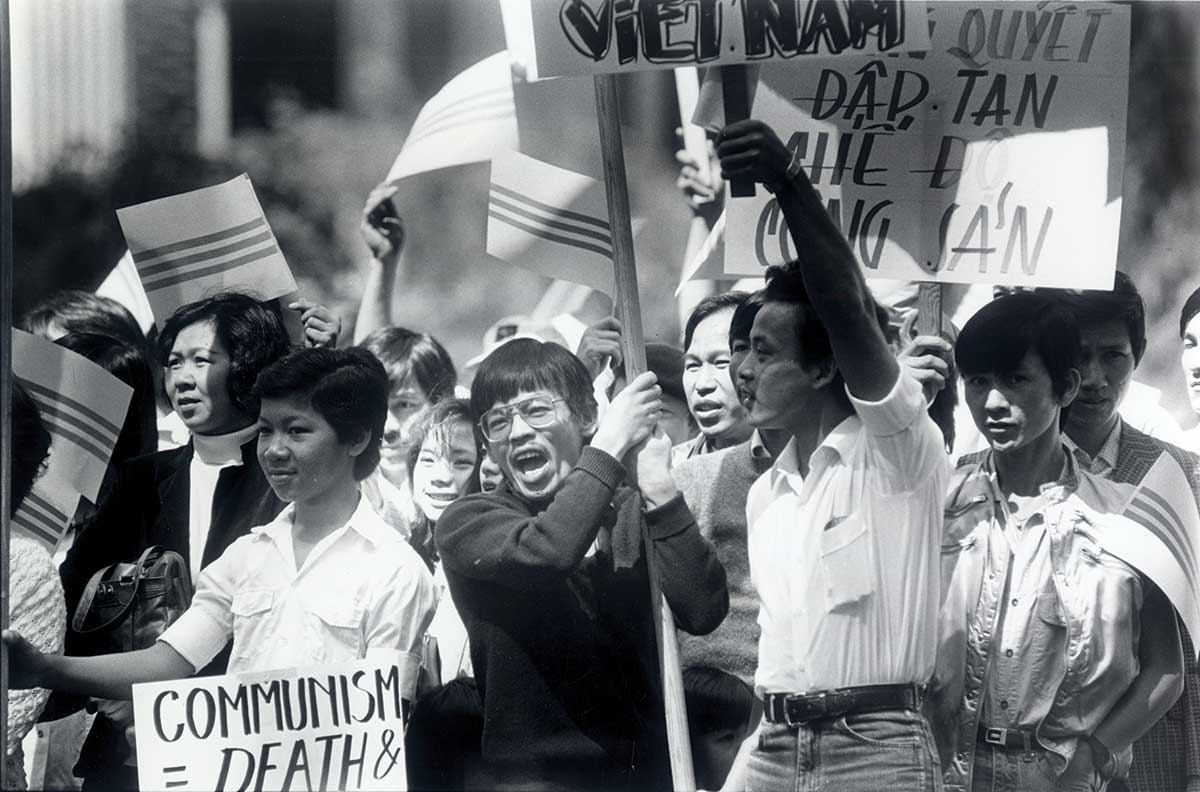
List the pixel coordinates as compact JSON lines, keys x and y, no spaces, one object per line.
{"x":844,"y":529}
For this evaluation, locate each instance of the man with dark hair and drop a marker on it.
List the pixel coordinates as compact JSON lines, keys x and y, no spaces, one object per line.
{"x":1112,"y":329}
{"x":711,"y":395}
{"x":550,"y":575}
{"x":844,"y":529}
{"x":1057,"y":648}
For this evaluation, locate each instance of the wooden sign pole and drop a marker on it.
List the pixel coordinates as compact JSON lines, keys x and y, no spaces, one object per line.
{"x":634,"y":351}
{"x":929,"y":309}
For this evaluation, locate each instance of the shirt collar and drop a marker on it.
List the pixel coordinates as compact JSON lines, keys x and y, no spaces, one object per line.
{"x":364,"y":521}
{"x":1057,"y":490}
{"x":758,"y":449}
{"x":840,"y":441}
{"x":1106,"y":458}
{"x":225,"y":449}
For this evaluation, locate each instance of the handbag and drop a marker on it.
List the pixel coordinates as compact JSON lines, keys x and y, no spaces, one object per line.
{"x":126,"y":606}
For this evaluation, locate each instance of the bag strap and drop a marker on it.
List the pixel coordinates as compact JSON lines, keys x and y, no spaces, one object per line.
{"x":85,"y":602}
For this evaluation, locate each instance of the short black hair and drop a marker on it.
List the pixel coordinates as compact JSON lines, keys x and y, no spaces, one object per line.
{"x":30,"y":446}
{"x":78,"y":311}
{"x":1123,"y":302}
{"x":251,"y":331}
{"x":347,"y":387}
{"x":139,"y":431}
{"x":716,"y":700}
{"x":1191,"y":307}
{"x":709,"y":306}
{"x":525,"y":364}
{"x":743,"y":317}
{"x":406,"y":353}
{"x":1001,"y":333}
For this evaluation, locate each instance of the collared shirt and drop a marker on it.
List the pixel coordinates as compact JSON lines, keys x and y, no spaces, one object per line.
{"x":362,"y":590}
{"x":845,"y":560}
{"x":211,"y":454}
{"x":758,"y":451}
{"x":1105,"y":460}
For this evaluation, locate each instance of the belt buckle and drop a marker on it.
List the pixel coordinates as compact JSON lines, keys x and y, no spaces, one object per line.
{"x":817,"y":703}
{"x":996,"y":737}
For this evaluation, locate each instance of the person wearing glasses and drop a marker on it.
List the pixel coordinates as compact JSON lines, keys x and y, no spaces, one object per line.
{"x":549,"y":573}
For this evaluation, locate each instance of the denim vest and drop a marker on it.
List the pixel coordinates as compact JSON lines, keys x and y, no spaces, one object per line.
{"x":1083,"y":652}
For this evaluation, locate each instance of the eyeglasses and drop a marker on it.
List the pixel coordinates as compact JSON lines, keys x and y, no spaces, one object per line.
{"x":537,"y":411}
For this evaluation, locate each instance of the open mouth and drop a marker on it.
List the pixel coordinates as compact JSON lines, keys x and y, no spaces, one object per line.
{"x":530,"y":463}
{"x":441,"y":497}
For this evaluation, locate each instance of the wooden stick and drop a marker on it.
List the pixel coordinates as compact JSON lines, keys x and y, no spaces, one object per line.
{"x":634,"y":352}
{"x":6,"y":377}
{"x":929,"y":309}
{"x":737,"y":108}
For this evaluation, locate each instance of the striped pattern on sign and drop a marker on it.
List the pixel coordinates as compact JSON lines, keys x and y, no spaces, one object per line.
{"x":41,"y":519}
{"x":75,"y":422}
{"x":209,"y":254}
{"x":551,"y":223}
{"x":1154,"y":513}
{"x":491,"y":105}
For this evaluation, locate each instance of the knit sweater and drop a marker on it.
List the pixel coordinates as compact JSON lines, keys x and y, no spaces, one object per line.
{"x":715,"y":487}
{"x":562,"y":642}
{"x":39,"y":614}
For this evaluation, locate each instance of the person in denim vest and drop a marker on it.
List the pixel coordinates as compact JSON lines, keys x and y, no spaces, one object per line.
{"x":1055,"y":653}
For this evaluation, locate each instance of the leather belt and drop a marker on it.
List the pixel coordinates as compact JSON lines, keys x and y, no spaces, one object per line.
{"x":794,"y":709}
{"x":1007,"y":738}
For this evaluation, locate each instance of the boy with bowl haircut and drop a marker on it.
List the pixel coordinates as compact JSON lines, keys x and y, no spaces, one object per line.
{"x":549,"y":573}
{"x":282,"y":592}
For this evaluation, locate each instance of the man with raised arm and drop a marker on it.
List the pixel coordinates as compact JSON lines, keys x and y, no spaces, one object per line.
{"x":845,"y":528}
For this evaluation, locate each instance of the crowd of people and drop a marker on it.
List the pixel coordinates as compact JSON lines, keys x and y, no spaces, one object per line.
{"x":896,"y":561}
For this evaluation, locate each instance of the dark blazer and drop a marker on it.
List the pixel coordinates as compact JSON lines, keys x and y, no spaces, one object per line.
{"x":149,"y":505}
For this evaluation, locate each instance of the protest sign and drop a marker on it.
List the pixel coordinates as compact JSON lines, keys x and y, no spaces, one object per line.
{"x":194,"y":244}
{"x":549,"y":220}
{"x":329,"y":727}
{"x":471,"y":118}
{"x":578,"y":37}
{"x":996,"y":157}
{"x":81,"y":404}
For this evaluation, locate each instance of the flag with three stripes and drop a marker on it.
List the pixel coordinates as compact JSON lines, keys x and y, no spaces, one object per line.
{"x":549,"y":220}
{"x":81,"y":404}
{"x":1157,"y":530}
{"x":46,"y":513}
{"x":194,"y":244}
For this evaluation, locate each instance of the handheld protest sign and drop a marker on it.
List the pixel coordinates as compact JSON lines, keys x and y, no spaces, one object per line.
{"x":328,"y":727}
{"x":633,"y":349}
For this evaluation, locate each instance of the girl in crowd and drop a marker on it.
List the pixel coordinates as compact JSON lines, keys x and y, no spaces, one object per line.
{"x":318,"y":435}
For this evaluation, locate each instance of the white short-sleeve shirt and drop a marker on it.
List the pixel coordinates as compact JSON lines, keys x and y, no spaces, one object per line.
{"x":361,"y":591}
{"x":845,"y":560}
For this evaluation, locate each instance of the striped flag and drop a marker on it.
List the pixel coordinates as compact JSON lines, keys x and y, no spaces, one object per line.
{"x":549,"y":220}
{"x":1157,"y":531}
{"x":192,"y":245}
{"x":46,"y":513}
{"x":469,"y":120}
{"x":81,"y":404}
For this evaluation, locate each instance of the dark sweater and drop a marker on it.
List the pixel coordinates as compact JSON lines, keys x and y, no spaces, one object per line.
{"x":563,"y":643}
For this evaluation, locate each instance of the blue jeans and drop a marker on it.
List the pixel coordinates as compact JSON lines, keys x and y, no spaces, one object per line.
{"x":888,"y":751}
{"x":1014,"y":770}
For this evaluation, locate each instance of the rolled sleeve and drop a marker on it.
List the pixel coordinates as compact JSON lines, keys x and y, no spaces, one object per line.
{"x":894,"y":413}
{"x":202,"y":631}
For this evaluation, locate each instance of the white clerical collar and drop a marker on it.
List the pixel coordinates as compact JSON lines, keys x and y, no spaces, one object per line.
{"x":223,"y":449}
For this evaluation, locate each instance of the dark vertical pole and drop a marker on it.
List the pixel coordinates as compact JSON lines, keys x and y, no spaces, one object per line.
{"x":6,"y":321}
{"x":736,"y":98}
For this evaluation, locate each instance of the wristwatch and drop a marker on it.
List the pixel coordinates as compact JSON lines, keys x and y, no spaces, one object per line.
{"x":1102,"y":758}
